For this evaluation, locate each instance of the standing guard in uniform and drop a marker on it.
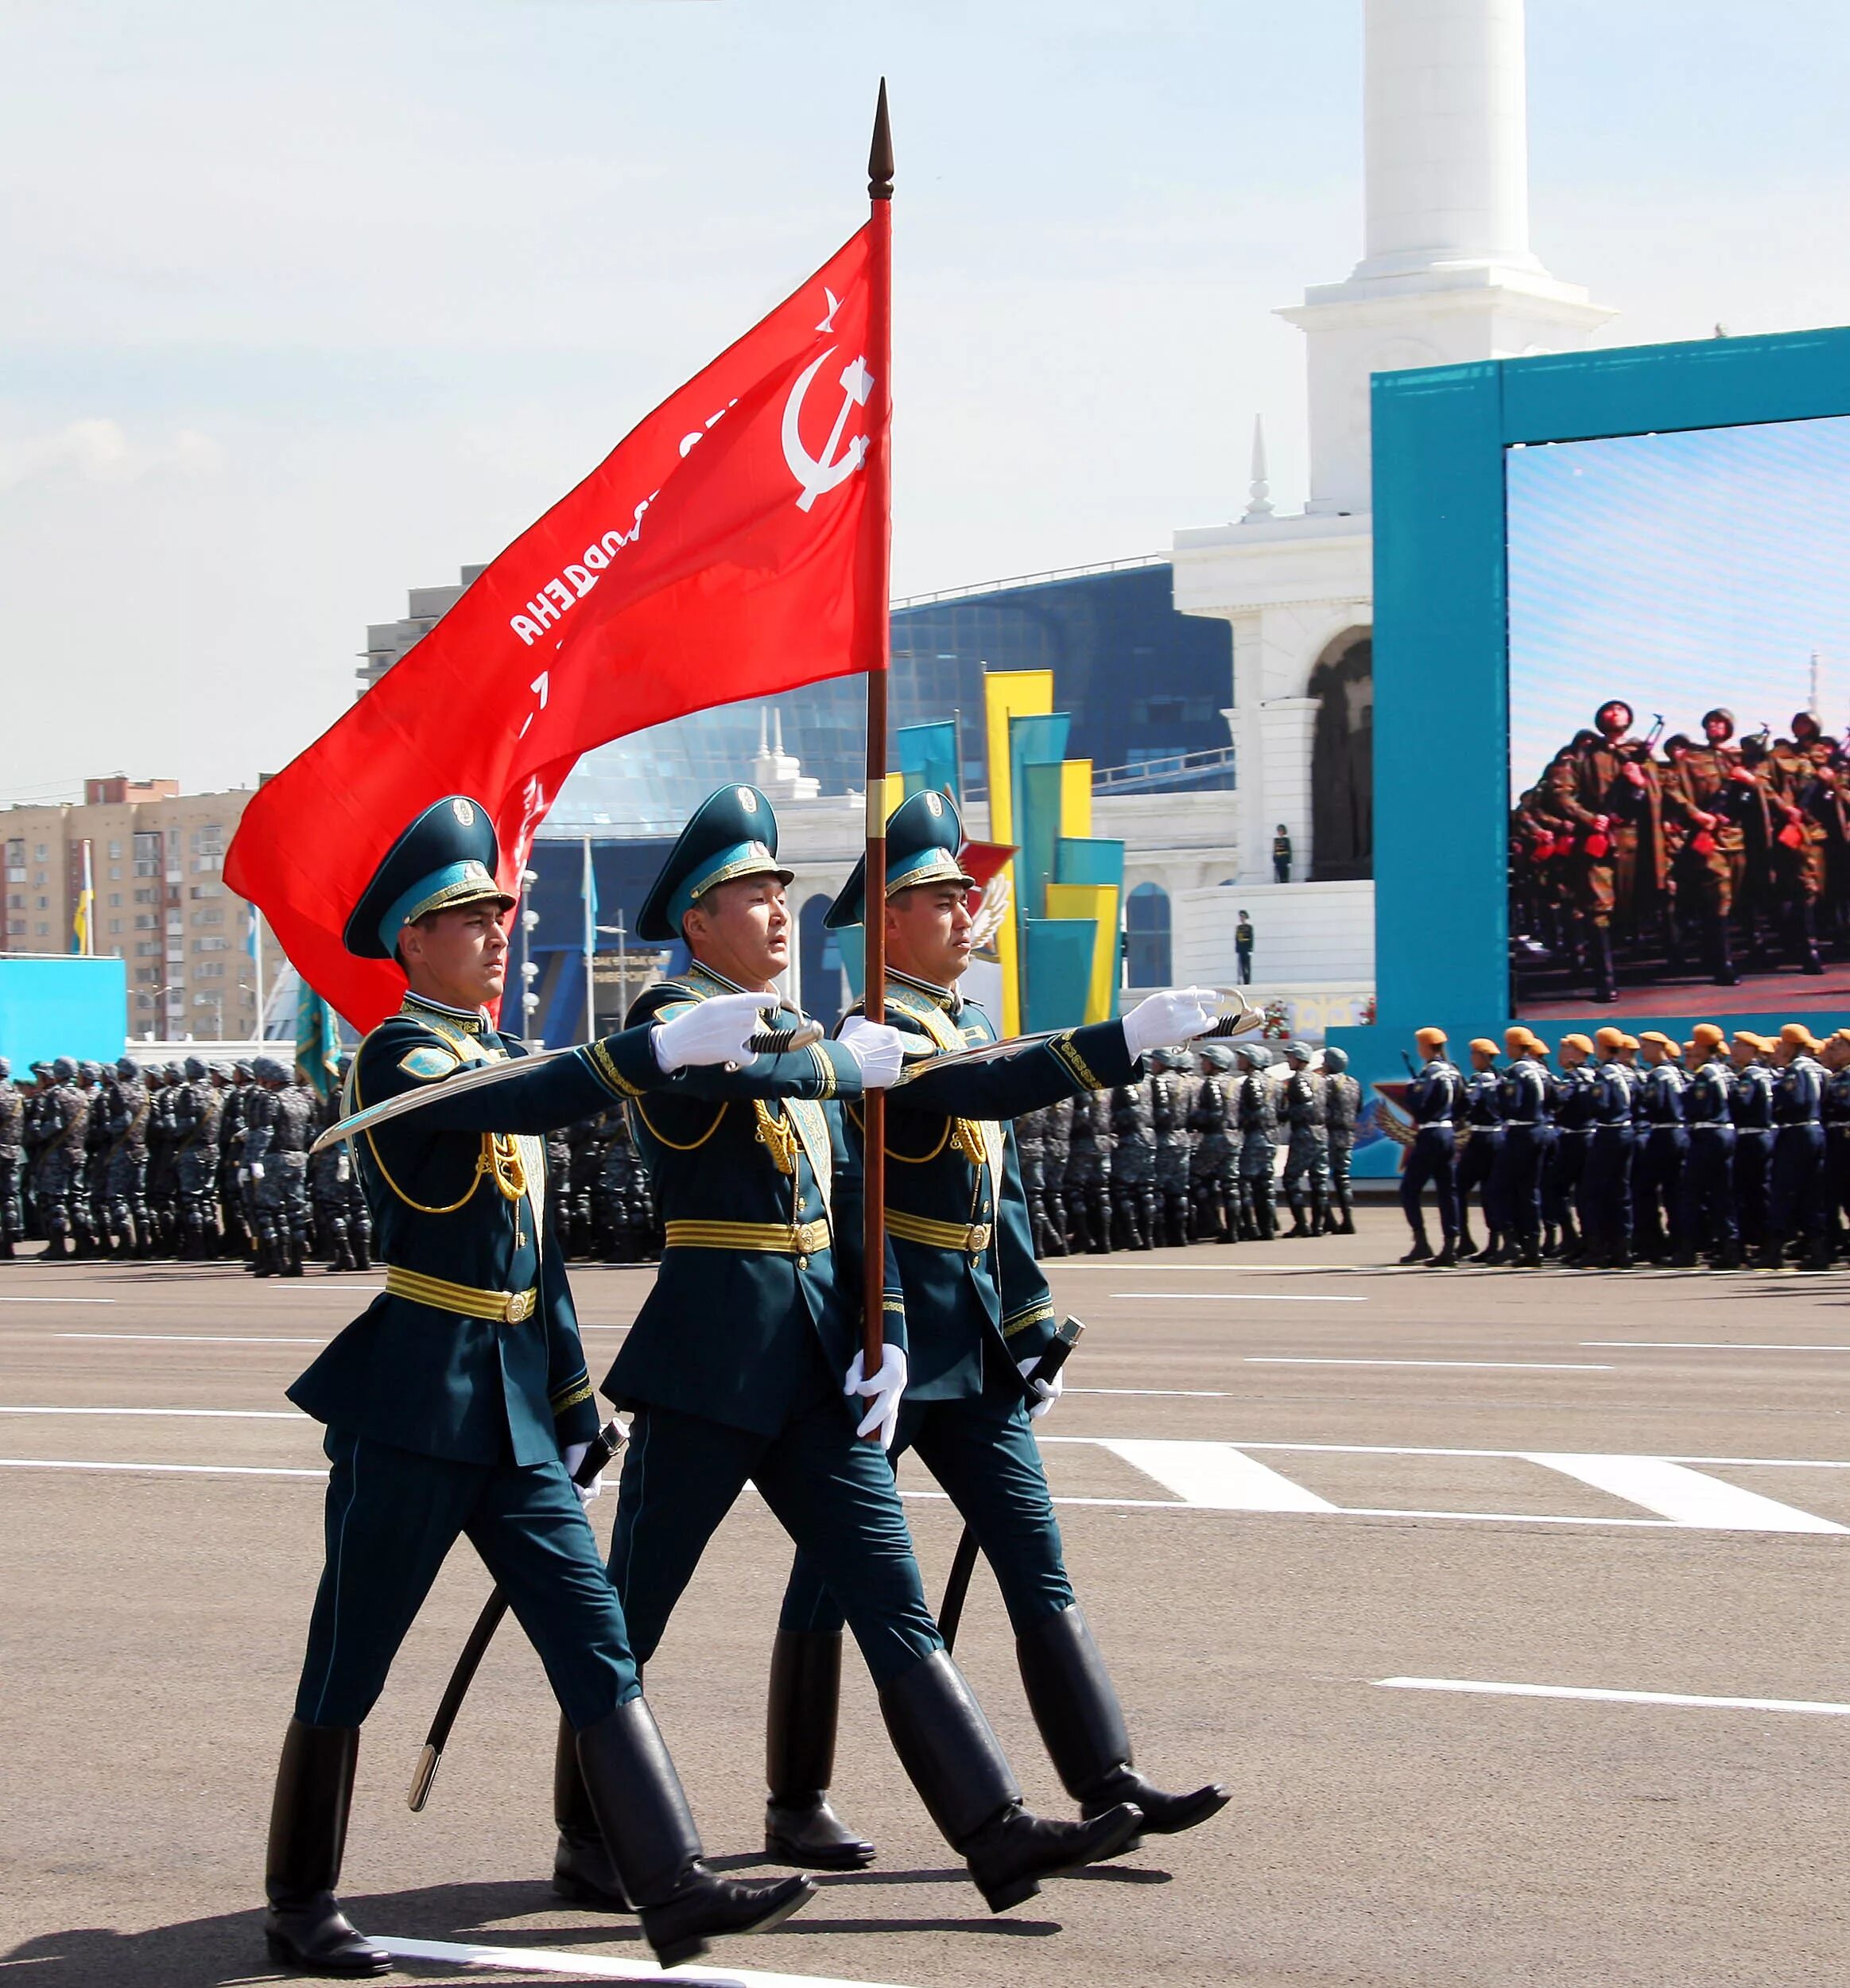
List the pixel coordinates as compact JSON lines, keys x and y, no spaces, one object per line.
{"x":1524,"y":1105}
{"x":1342,"y":1111}
{"x":1307,"y":1148}
{"x":125,"y":1206}
{"x":457,"y":1403}
{"x":1478,"y":1155}
{"x":195,"y":1111}
{"x":1796,"y":1191}
{"x":1605,"y":1191}
{"x":12,"y":1162}
{"x":1134,"y":1206}
{"x":1705,"y":1198}
{"x":1087,"y":1179}
{"x":1663,"y":1148}
{"x":64,"y":1129}
{"x":1751,"y":1106}
{"x":979,"y":1314}
{"x":1257,"y":1110}
{"x":1215,"y":1170}
{"x":734,"y":1367}
{"x":1435,"y":1097}
{"x":1574,"y":1099}
{"x":1169,"y":1101}
{"x":1057,"y":1136}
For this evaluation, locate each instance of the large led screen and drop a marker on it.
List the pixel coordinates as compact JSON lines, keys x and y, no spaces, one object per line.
{"x":1679,"y":691}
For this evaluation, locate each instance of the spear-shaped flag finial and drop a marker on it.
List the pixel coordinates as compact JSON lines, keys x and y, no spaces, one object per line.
{"x":880,"y":152}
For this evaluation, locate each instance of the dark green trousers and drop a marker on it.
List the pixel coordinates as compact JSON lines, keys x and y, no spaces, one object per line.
{"x":833,"y":1493}
{"x":392,"y":1516}
{"x":983,"y":1453}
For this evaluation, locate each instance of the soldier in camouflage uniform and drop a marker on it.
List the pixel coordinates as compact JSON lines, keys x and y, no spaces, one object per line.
{"x":1214,"y":1169}
{"x":1834,"y":1056}
{"x":233,"y":1088}
{"x":1088,"y":1173}
{"x":1307,"y":1167}
{"x":587,"y":1139}
{"x":359,"y":1216}
{"x":1057,"y":1136}
{"x":194,"y":1123}
{"x":63,"y":1127}
{"x":12,"y":1162}
{"x":1257,"y":1110}
{"x":278,"y":1131}
{"x":1171,"y":1096}
{"x":330,"y":1171}
{"x":125,"y":1174}
{"x":1342,"y":1111}
{"x":87,"y":1210}
{"x":160,"y":1189}
{"x":1133,"y":1168}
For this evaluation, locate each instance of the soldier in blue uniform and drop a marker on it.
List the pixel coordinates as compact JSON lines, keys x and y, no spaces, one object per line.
{"x":734,"y":1366}
{"x":1435,"y":1098}
{"x":979,"y":1314}
{"x":1751,"y":1106}
{"x":1796,"y":1197}
{"x":1478,"y":1156}
{"x":1571,"y":1097}
{"x":1663,"y":1147}
{"x":457,"y":1403}
{"x":1705,"y":1199}
{"x":1605,"y":1192}
{"x":1524,"y":1105}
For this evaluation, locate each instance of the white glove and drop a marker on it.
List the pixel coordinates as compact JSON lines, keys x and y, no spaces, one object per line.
{"x":884,"y":1390}
{"x":257,"y":1169}
{"x":878,"y":1049}
{"x":713,"y":1031}
{"x":1174,"y":1015}
{"x":575,"y":1453}
{"x":1047,"y":1393}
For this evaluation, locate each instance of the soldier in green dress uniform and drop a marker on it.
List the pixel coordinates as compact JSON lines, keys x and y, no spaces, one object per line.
{"x":457,"y":1403}
{"x":979,"y":1315}
{"x":734,"y":1366}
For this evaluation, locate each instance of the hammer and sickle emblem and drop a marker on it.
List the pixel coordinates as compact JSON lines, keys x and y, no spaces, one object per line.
{"x":819,"y":475}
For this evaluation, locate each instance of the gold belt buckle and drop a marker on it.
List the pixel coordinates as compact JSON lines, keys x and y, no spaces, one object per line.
{"x":979,"y":1239}
{"x":520,"y":1306}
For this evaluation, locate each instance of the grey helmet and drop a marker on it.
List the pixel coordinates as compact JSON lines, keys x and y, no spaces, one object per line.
{"x":266,"y":1070}
{"x":5,"y":1069}
{"x":64,"y":1070}
{"x":1335,"y":1060}
{"x":1298,"y":1053}
{"x":175,"y":1074}
{"x":90,"y":1073}
{"x":1216,"y":1056}
{"x":1255,"y":1055}
{"x":195,"y":1069}
{"x":241,"y":1069}
{"x":125,"y":1066}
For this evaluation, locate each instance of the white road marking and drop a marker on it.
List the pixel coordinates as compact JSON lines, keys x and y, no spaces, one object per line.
{"x":1246,"y":1296}
{"x":216,"y":1415}
{"x":1175,"y":1394}
{"x":1502,"y":1366}
{"x":1714,"y":1345}
{"x":164,"y":1469}
{"x":1686,"y":1496}
{"x":191,"y":1339}
{"x":1612,"y":1698}
{"x":11,"y":1300}
{"x":545,"y":1960}
{"x":1221,"y":1269}
{"x":1216,"y":1476}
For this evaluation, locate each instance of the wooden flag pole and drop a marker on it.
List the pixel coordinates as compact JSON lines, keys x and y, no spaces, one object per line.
{"x":880,"y":361}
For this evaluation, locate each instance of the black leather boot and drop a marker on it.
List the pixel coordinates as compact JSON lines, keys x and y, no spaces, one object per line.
{"x":304,"y":1927}
{"x":655,"y":1850}
{"x":800,"y":1828}
{"x":583,"y":1873}
{"x":1299,"y":1226}
{"x":1448,"y":1256}
{"x":1070,"y":1694}
{"x":1346,"y":1202}
{"x":1422,"y":1251}
{"x":945,"y":1745}
{"x":362,"y":1249}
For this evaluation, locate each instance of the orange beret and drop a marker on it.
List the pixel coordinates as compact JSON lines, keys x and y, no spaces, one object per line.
{"x":1706,"y":1034}
{"x":1609,"y":1039}
{"x":1429,"y":1036}
{"x":1577,"y":1040}
{"x":1484,"y":1043}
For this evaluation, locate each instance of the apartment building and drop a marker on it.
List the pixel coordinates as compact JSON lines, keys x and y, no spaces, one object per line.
{"x":157,"y":858}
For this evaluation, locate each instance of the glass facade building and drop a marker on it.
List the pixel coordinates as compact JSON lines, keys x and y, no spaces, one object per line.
{"x":1146,"y":687}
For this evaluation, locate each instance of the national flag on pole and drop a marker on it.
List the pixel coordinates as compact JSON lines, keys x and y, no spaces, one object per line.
{"x":317,"y":1041}
{"x":82,"y":925}
{"x":733,"y":544}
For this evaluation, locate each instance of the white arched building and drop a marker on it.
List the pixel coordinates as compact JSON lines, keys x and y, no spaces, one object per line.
{"x":1447,"y":277}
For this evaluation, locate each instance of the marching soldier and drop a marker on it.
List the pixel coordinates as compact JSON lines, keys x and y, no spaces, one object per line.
{"x":1795,"y":1195}
{"x":63,"y":1127}
{"x":233,"y":1108}
{"x":1057,"y":1123}
{"x":12,"y":1162}
{"x":734,"y":1367}
{"x":1663,"y":1146}
{"x":1800,"y":793}
{"x":87,"y":1207}
{"x":1306,"y":1148}
{"x":1134,"y":1203}
{"x":194,"y":1121}
{"x":458,"y":1402}
{"x":1705,"y":1199}
{"x":1257,"y":1110}
{"x":1836,"y":1058}
{"x":1031,"y":1147}
{"x":1751,"y":1106}
{"x":1605,"y":1195}
{"x":329,"y":1171}
{"x":1087,"y":1179}
{"x":1477,"y":1159}
{"x":1435,"y":1098}
{"x":126,"y":1162}
{"x":1342,"y":1107}
{"x":1169,"y":1102}
{"x":1215,"y":1170}
{"x":979,"y":1314}
{"x":164,"y":1081}
{"x":1573,"y":1098}
{"x":278,"y":1130}
{"x":1523,"y":1108}
{"x":1710,"y":794}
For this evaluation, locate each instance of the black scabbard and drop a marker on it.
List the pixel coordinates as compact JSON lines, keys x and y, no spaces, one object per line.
{"x":596,"y":1459}
{"x":964,"y":1561}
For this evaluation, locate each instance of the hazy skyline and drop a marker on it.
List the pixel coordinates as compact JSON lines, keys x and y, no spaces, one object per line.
{"x":304,"y":310}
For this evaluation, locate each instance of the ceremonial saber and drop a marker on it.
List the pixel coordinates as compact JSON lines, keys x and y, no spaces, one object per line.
{"x":768,"y":1042}
{"x":926,"y":1059}
{"x":597,"y":1458}
{"x":964,"y":1561}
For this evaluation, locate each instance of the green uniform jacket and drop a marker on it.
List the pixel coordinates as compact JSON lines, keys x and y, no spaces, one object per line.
{"x":951,"y":1163}
{"x":458,"y":1194}
{"x":730,"y":1331}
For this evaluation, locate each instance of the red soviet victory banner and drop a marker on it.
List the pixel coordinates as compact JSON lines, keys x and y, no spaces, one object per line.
{"x":733,"y":544}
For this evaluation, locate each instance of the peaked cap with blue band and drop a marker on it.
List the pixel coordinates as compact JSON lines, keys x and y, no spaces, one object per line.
{"x":923,"y":838}
{"x":733,"y":833}
{"x":446,"y":858}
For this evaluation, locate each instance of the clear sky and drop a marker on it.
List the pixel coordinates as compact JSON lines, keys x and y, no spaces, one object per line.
{"x":1678,"y":572}
{"x":300,"y":307}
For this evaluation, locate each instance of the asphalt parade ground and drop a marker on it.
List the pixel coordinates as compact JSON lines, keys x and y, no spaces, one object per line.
{"x":1511,"y":1605}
